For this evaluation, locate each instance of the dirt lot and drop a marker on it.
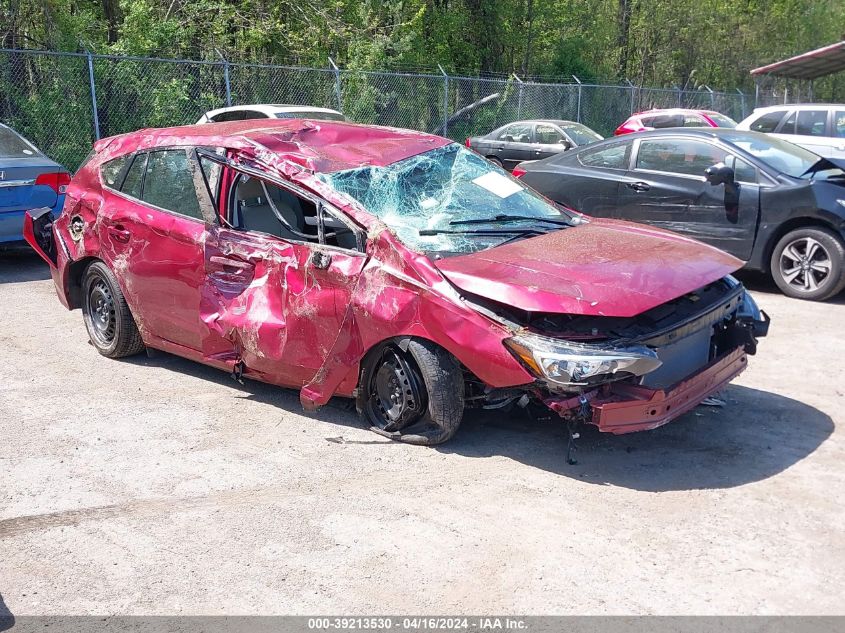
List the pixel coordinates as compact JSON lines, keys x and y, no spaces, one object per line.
{"x":156,"y":485}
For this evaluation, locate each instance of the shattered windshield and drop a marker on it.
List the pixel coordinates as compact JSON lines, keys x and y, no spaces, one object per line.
{"x":449,"y":199}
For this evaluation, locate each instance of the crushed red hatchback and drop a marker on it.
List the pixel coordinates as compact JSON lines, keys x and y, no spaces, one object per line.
{"x":393,"y":267}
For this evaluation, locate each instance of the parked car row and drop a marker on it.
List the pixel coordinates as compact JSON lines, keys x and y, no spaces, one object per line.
{"x":774,"y":204}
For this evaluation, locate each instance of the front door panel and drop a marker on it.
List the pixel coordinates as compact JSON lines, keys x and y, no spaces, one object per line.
{"x":275,"y":306}
{"x":690,"y":206}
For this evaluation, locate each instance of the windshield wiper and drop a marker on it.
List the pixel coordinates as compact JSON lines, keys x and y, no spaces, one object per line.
{"x":511,"y":218}
{"x":483,"y":232}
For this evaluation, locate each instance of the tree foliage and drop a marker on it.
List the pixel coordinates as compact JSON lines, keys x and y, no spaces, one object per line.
{"x":657,"y":42}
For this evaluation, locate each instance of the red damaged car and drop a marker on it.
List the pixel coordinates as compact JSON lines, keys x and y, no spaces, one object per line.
{"x":393,"y":267}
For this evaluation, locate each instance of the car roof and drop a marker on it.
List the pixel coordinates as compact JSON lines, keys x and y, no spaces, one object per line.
{"x":694,"y":132}
{"x":711,"y":132}
{"x":270,"y":108}
{"x":799,"y":106}
{"x":553,"y":121}
{"x":322,"y":146}
{"x":675,"y":111}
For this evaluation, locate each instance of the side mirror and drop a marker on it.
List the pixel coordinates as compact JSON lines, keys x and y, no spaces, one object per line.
{"x":566,"y":144}
{"x":719,"y":174}
{"x":507,"y":138}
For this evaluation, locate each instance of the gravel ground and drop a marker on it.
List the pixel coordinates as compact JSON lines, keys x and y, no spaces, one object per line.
{"x":160,"y":486}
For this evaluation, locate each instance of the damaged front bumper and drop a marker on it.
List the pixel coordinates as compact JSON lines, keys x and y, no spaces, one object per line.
{"x":625,"y":408}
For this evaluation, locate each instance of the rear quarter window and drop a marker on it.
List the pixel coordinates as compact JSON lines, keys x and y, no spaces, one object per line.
{"x":111,"y":171}
{"x":613,"y":157}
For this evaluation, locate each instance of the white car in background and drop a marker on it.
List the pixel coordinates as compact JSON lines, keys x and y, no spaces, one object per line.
{"x":270,"y":111}
{"x":817,"y":127}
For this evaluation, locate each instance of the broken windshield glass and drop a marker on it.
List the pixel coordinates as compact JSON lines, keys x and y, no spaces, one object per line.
{"x":422,"y":197}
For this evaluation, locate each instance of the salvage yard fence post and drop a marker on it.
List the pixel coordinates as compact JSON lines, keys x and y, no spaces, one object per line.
{"x":226,"y":80}
{"x":445,"y":100}
{"x":93,"y":88}
{"x":519,"y":97}
{"x":578,"y":109}
{"x":337,"y":88}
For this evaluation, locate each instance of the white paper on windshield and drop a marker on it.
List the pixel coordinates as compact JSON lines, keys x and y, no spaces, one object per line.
{"x":428,"y":203}
{"x":497,"y":184}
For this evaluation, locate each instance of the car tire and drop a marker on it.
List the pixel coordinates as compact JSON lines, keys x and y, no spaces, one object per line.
{"x":495,"y":161}
{"x":111,"y":327}
{"x":808,"y":263}
{"x":412,"y":393}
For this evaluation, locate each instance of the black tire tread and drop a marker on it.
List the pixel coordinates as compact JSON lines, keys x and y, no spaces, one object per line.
{"x":444,"y":387}
{"x":128,"y":337}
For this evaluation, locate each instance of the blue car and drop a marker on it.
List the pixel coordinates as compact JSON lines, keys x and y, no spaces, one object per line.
{"x":28,"y":180}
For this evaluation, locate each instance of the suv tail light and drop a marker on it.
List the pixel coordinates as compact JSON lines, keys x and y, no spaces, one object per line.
{"x":518,"y":172}
{"x":58,"y":181}
{"x":468,"y":142}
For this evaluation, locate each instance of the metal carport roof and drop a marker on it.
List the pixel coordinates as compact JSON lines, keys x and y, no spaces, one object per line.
{"x":810,"y":65}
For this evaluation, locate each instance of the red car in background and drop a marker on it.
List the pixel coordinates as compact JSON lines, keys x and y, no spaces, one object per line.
{"x":396,"y":268}
{"x":673,"y":117}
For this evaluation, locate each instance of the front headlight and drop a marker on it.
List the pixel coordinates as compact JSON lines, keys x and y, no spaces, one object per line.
{"x":573,"y":364}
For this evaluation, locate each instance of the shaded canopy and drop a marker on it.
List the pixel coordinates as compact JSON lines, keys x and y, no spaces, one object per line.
{"x":810,"y":65}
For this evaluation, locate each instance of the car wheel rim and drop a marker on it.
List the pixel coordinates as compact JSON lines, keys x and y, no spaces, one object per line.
{"x":805,"y":264}
{"x":101,"y":312}
{"x":395,"y":395}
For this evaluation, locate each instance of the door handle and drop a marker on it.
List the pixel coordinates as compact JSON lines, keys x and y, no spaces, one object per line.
{"x":638,"y":186}
{"x":320,"y":260}
{"x":225,"y":262}
{"x":119,"y":233}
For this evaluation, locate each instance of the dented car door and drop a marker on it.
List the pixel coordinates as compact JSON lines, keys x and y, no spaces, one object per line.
{"x":276,"y":288}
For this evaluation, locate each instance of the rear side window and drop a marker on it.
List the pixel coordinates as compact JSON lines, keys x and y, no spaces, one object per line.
{"x":134,"y":177}
{"x":613,"y":157}
{"x":768,"y":122}
{"x":112,"y":170}
{"x":169,"y":183}
{"x":811,"y":122}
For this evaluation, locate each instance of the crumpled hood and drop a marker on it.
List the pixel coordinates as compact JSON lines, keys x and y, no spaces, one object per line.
{"x":603,"y":267}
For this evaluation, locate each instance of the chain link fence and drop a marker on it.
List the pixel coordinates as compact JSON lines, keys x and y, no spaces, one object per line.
{"x":62,"y":102}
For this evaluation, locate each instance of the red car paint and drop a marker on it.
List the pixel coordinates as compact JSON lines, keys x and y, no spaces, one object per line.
{"x":634,"y":123}
{"x":606,"y":267}
{"x":622,"y":408}
{"x":226,"y":297}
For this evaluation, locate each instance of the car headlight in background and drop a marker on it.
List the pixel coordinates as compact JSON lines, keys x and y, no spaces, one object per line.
{"x":573,"y":364}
